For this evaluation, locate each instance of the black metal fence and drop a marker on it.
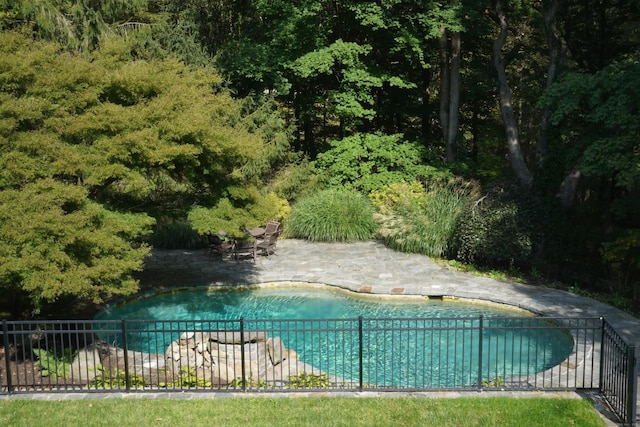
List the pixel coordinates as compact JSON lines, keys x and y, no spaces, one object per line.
{"x":619,"y":375}
{"x":483,"y":353}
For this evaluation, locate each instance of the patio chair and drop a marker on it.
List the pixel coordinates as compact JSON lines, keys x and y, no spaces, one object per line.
{"x":260,"y":232}
{"x":244,"y":249}
{"x":219,"y":246}
{"x":272,"y":227}
{"x":268,"y":245}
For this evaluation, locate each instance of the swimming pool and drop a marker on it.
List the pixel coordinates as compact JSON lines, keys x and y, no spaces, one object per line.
{"x":424,"y":343}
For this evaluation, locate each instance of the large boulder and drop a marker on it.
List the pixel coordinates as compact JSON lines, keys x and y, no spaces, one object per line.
{"x":225,"y":356}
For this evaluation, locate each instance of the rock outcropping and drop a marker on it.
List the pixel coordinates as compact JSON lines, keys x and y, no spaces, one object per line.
{"x":218,"y":357}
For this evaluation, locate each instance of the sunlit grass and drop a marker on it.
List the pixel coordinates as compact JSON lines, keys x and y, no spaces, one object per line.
{"x":301,"y":411}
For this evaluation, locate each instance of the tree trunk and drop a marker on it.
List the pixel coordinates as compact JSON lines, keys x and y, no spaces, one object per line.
{"x":449,"y":89}
{"x":426,"y":97}
{"x":557,"y":50}
{"x":516,"y":159}
{"x":444,"y":87}
{"x":454,"y":96}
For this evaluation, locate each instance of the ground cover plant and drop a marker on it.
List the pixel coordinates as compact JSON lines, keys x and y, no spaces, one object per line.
{"x":302,"y":411}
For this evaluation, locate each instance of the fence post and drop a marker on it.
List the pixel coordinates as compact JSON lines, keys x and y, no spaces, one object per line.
{"x":242,"y":356}
{"x":632,"y":385}
{"x":5,"y":334}
{"x":127,"y":379}
{"x":603,"y":336}
{"x":360,"y":351}
{"x":480,"y":349}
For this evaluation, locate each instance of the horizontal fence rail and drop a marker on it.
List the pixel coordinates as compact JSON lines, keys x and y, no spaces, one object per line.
{"x":530,"y":353}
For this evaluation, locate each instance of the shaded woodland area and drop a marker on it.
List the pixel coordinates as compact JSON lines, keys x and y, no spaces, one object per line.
{"x":131,"y":124}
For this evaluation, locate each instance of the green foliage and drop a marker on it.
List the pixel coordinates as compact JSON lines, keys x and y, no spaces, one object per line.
{"x":391,"y":197}
{"x":78,"y":25}
{"x":92,"y":150}
{"x":116,"y":379}
{"x":247,"y":209}
{"x":187,"y":379}
{"x":615,"y":299}
{"x":239,"y":383}
{"x":262,"y":116}
{"x":309,"y":380}
{"x":332,"y":216}
{"x":500,"y":229}
{"x":351,"y":100}
{"x":295,"y":180}
{"x":367,"y":162}
{"x":54,"y":364}
{"x":511,"y":274}
{"x":604,"y":105}
{"x":174,"y":234}
{"x":57,"y":242}
{"x":622,"y":255}
{"x":414,"y":220}
{"x":496,"y":382}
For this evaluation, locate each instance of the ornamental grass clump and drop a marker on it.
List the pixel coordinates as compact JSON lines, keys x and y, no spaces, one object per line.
{"x":332,"y":216}
{"x":416,"y":220}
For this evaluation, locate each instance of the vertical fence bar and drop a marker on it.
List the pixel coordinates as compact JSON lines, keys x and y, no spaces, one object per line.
{"x":242,"y":355}
{"x":632,"y":385}
{"x":7,"y":361}
{"x":480,"y":327}
{"x":360,"y":354}
{"x":602,"y":355}
{"x":127,"y":379}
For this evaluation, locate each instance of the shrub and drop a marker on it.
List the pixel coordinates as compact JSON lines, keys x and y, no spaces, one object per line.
{"x":309,"y":380}
{"x":188,"y":379}
{"x":419,"y":221}
{"x":501,"y":229}
{"x":332,"y":216}
{"x":243,"y":209}
{"x":367,"y":162}
{"x":174,"y":234}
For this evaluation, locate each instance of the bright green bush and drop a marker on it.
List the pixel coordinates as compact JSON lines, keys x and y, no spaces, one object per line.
{"x":332,"y":216}
{"x":367,"y":162}
{"x":245,"y":208}
{"x":419,"y":221}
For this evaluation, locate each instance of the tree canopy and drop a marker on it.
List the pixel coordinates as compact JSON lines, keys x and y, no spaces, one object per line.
{"x":94,"y":150}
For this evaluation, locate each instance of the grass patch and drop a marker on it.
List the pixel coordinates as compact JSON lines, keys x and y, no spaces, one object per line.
{"x":301,"y":411}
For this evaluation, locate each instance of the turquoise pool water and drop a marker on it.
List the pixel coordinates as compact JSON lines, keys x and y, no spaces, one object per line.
{"x":203,"y":303}
{"x":407,"y":342}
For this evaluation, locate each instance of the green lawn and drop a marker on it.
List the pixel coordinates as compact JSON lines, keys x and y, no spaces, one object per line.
{"x":301,"y":411}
